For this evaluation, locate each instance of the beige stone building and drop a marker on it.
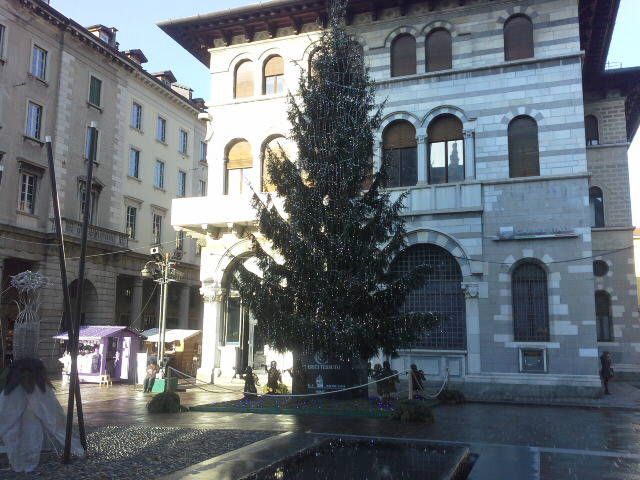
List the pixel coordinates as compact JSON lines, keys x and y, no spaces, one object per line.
{"x":57,"y":77}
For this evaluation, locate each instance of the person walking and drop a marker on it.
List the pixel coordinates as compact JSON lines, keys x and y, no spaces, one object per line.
{"x":606,"y":372}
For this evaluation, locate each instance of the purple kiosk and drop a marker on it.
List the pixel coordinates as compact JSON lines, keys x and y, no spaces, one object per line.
{"x":106,"y":350}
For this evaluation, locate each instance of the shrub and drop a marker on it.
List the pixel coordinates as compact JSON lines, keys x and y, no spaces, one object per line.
{"x":412,"y":411}
{"x":165,"y":402}
{"x":451,"y":397}
{"x":281,"y":390}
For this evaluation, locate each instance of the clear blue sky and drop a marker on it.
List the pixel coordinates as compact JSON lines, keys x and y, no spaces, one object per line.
{"x":136,"y":23}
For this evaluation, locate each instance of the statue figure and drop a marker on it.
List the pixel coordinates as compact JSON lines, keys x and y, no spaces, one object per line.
{"x":417,"y":377}
{"x":378,"y":376}
{"x":298,"y":376}
{"x":250,"y":383}
{"x":274,"y":378}
{"x":390,"y":387}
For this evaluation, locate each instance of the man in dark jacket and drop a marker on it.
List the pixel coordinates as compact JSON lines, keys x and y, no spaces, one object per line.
{"x":606,"y":372}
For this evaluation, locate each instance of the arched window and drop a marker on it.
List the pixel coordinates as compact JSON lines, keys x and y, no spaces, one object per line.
{"x":273,"y":75}
{"x":243,"y":80}
{"x":440,"y":293}
{"x":518,"y":38}
{"x":523,"y":147}
{"x":591,"y":130}
{"x":446,"y":150}
{"x":603,"y":316}
{"x":530,"y":303}
{"x":237,"y":167}
{"x":399,"y":141}
{"x":438,"y":50}
{"x":596,"y":205}
{"x":276,"y":146}
{"x":403,"y":55}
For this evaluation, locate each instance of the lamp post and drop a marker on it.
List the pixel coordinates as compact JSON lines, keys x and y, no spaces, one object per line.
{"x":162,"y":270}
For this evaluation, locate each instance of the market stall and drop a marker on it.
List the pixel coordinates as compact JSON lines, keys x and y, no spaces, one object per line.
{"x":106,"y":350}
{"x":183,"y":347}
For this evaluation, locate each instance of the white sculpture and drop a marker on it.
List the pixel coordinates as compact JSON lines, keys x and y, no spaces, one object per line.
{"x":31,"y":413}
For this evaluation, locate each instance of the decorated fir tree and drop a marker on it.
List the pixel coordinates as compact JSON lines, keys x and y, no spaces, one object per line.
{"x":326,"y":283}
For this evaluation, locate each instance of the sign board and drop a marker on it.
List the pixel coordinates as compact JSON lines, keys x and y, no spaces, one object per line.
{"x":326,"y":374}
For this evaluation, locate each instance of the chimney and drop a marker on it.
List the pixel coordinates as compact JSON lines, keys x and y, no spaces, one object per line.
{"x":136,"y":55}
{"x":106,"y":34}
{"x":182,"y":90}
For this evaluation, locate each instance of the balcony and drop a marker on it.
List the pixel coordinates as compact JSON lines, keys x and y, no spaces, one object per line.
{"x":223,"y":210}
{"x":73,"y":228}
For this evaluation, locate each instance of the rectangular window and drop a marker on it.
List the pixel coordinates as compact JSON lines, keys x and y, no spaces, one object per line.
{"x":136,"y":116}
{"x":233,"y":314}
{"x":134,"y":163}
{"x":533,"y":360}
{"x":95,"y":91}
{"x":184,"y":139}
{"x":159,"y":174}
{"x":180,"y":240}
{"x":446,"y":161}
{"x":87,"y":144}
{"x":203,"y":152}
{"x":28,"y":184}
{"x":34,"y":120}
{"x":2,"y":35}
{"x":182,"y":184}
{"x":94,"y":204}
{"x":157,"y":229}
{"x":132,"y":215}
{"x":161,"y":130}
{"x":203,"y":188}
{"x":38,"y":62}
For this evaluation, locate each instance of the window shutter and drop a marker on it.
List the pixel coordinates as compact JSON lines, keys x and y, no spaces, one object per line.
{"x":274,"y":145}
{"x":445,"y":128}
{"x":244,"y":80}
{"x":274,"y":66}
{"x":239,"y":156}
{"x":400,"y":135}
{"x":523,"y":147}
{"x":403,"y":56}
{"x":518,"y":38}
{"x":438,"y":50}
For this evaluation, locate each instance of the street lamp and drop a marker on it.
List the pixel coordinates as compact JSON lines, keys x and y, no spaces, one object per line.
{"x":162,"y":270}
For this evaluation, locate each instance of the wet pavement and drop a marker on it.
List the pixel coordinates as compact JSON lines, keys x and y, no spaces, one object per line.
{"x":550,"y":442}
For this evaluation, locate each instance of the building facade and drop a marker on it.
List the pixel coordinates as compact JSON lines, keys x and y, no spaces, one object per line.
{"x":489,"y":121}
{"x":57,"y":77}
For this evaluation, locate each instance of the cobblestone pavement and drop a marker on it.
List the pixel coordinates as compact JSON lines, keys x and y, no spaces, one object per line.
{"x":558,"y":442}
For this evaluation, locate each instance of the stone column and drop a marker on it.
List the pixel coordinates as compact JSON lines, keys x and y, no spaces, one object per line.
{"x":136,"y":303}
{"x":422,"y":158}
{"x":471,"y":293}
{"x":469,"y":155}
{"x":211,"y":318}
{"x":183,"y":320}
{"x":378,"y":152}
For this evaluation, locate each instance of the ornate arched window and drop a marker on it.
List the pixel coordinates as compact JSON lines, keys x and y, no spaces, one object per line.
{"x":446,"y":150}
{"x":238,"y":164}
{"x":243,"y":80}
{"x":518,"y":38}
{"x":403,"y":55}
{"x":273,"y":75}
{"x":438,"y":50}
{"x":400,"y":148}
{"x":591,"y":130}
{"x":524,"y":160}
{"x":603,"y":316}
{"x":596,"y":206}
{"x":278,"y":146}
{"x":440,"y":293}
{"x":530,"y":303}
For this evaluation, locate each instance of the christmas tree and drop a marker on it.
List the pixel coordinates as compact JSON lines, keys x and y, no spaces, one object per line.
{"x":325,"y":283}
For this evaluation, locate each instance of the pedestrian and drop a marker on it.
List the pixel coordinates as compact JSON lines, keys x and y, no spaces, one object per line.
{"x":152,"y":371}
{"x":606,"y":372}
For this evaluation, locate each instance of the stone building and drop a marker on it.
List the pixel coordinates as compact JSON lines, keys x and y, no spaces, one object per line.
{"x":55,"y":78}
{"x":510,"y":138}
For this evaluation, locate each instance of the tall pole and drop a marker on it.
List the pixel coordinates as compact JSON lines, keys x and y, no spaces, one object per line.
{"x":66,"y":297}
{"x":163,"y":309}
{"x":80,"y":291}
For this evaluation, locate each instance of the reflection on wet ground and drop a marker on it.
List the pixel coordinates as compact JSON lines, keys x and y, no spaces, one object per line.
{"x":559,"y":442}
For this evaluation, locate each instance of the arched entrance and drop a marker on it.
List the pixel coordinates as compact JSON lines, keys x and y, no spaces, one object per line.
{"x":90,"y":304}
{"x":441,"y":293}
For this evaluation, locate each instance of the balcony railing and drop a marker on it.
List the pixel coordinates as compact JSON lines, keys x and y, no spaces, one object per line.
{"x":73,"y":228}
